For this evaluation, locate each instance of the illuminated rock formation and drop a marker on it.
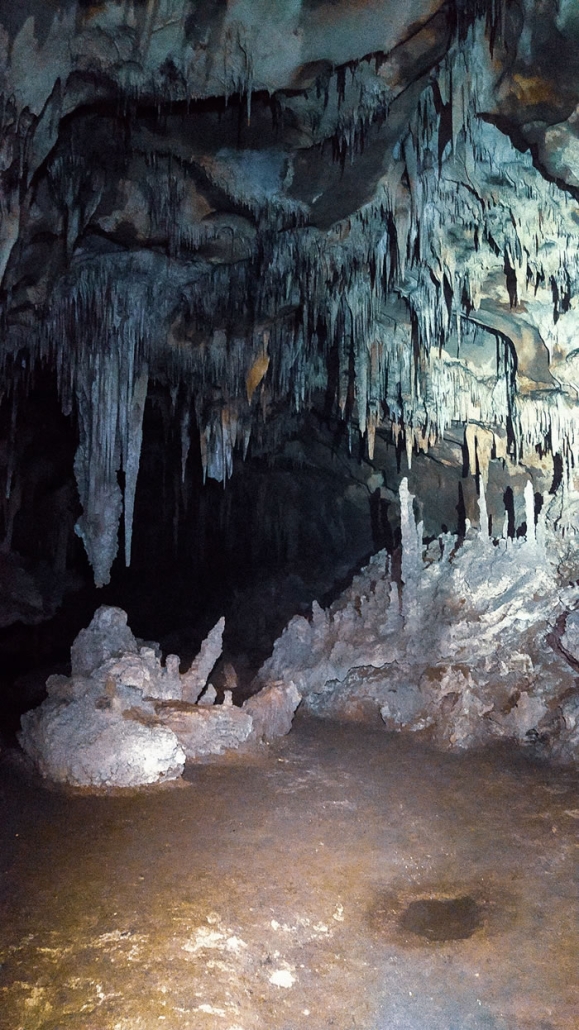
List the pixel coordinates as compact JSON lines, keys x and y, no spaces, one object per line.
{"x":123,"y":719}
{"x":461,"y":648}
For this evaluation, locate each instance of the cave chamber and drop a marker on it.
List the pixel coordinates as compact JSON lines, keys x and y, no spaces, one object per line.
{"x":289,"y":514}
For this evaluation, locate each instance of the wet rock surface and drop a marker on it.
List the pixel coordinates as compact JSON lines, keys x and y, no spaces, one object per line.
{"x":272,"y":710}
{"x":268,"y":894}
{"x":570,"y":637}
{"x":207,"y":730}
{"x":442,"y":919}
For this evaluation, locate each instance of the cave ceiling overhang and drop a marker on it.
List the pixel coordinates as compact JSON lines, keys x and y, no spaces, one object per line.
{"x":265,"y":203}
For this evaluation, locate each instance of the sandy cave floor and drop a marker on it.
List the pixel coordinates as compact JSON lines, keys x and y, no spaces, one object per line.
{"x":269,"y":893}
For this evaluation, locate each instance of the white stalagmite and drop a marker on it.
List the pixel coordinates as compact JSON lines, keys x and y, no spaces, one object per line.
{"x":195,"y":678}
{"x":530,"y":512}
{"x":483,"y":513}
{"x":470,"y":661}
{"x":411,"y":546}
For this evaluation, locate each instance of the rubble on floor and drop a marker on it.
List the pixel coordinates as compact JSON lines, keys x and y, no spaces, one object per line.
{"x":123,"y":719}
{"x":462,"y":647}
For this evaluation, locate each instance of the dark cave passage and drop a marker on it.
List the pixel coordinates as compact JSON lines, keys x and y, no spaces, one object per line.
{"x":291,"y":526}
{"x":288,"y":528}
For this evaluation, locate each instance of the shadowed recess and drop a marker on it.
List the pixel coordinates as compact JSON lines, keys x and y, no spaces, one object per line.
{"x":442,"y":919}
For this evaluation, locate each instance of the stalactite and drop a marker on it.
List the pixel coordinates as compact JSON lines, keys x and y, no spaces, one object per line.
{"x":132,"y":442}
{"x":97,"y":336}
{"x":483,"y":512}
{"x":459,"y":232}
{"x":185,"y":441}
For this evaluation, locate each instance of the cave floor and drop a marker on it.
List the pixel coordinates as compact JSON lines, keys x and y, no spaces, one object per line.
{"x":271,"y":892}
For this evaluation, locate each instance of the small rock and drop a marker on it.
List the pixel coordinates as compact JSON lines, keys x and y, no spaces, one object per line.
{"x":272,"y":710}
{"x":207,"y":731}
{"x":208,"y":697}
{"x":282,"y":978}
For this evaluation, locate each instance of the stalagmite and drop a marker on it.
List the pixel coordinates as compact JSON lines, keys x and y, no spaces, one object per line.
{"x":471,"y":660}
{"x":122,"y":720}
{"x":411,"y":546}
{"x":195,"y":678}
{"x":530,"y":512}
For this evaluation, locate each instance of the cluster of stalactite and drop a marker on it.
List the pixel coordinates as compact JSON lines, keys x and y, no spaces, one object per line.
{"x":383,"y":312}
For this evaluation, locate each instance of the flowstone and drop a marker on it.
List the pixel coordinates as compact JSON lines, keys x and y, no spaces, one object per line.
{"x":124,"y":720}
{"x":459,"y":647}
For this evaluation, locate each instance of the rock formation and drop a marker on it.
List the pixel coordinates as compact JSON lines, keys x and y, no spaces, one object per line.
{"x":384,"y":212}
{"x":462,"y":647}
{"x":249,"y":241}
{"x":124,"y":720}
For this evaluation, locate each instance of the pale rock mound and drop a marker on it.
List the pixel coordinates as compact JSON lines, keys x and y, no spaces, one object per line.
{"x":82,"y":746}
{"x":124,"y":720}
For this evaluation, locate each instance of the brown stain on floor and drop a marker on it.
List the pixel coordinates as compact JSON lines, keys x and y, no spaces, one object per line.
{"x":269,"y":893}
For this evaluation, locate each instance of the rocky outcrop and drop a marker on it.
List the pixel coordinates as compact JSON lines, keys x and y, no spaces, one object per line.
{"x":124,"y":720}
{"x":76,"y":743}
{"x":108,"y":636}
{"x":272,"y":710}
{"x":459,"y":647}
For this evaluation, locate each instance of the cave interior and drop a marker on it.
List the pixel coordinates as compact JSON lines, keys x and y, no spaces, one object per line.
{"x":288,"y":301}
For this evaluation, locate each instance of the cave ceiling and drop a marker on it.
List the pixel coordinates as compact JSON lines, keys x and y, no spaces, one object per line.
{"x":263,"y":203}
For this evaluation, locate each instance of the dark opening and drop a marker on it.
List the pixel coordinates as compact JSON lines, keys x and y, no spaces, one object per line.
{"x":452,"y":919}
